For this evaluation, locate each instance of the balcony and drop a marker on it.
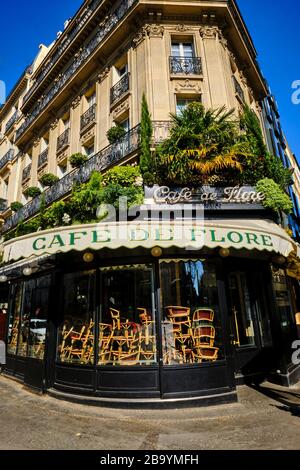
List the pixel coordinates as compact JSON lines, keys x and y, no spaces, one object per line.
{"x":119,"y":89}
{"x":26,"y":173}
{"x":8,"y":157}
{"x":43,"y":159}
{"x":79,"y":59}
{"x":238,"y":90}
{"x":88,"y":118}
{"x":12,"y":121}
{"x":109,"y":156}
{"x":185,"y":65}
{"x":79,"y":24}
{"x":63,"y":141}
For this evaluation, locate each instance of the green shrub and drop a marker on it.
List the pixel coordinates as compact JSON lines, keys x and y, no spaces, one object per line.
{"x":123,"y":175}
{"x":16,"y":206}
{"x":275,"y":198}
{"x":116,"y":134}
{"x":33,"y":192}
{"x":48,"y":179}
{"x":147,"y":160}
{"x":77,"y":160}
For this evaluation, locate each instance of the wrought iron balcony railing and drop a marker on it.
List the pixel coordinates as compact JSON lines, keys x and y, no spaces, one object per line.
{"x":80,"y":22}
{"x":88,"y":117}
{"x":111,"y":20}
{"x":3,"y":205}
{"x":8,"y":157}
{"x":43,"y":158}
{"x":102,"y":160}
{"x":119,"y":89}
{"x":63,"y":140}
{"x":185,"y":65}
{"x":238,"y":89}
{"x":12,"y":120}
{"x":26,"y":173}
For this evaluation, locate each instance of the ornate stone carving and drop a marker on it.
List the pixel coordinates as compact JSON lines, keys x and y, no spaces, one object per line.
{"x":76,"y":102}
{"x":150,"y":30}
{"x":54,"y":124}
{"x":102,"y":76}
{"x":209,"y":32}
{"x":87,"y":137}
{"x":243,"y":78}
{"x":187,"y":85}
{"x":36,"y":142}
{"x":122,"y":108}
{"x":182,"y":28}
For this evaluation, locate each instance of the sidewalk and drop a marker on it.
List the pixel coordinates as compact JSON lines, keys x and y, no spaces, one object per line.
{"x":257,"y":421}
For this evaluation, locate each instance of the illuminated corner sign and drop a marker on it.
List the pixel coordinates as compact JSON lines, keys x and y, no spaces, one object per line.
{"x":208,"y":195}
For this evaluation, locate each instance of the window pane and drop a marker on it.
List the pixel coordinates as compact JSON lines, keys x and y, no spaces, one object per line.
{"x":25,"y":318}
{"x":39,"y":317}
{"x":175,"y":49}
{"x":241,"y":312}
{"x":191,"y":327}
{"x":76,"y":336}
{"x":14,"y":319}
{"x":127,"y":327}
{"x":188,"y":50}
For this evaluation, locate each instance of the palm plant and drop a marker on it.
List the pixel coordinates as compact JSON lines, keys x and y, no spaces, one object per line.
{"x":203,"y":143}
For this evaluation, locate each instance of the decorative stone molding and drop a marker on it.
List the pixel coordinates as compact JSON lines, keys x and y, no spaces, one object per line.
{"x":76,"y":102}
{"x":54,"y":124}
{"x":187,"y":86}
{"x":150,"y":30}
{"x":210,"y":32}
{"x":62,"y":156}
{"x":182,"y":28}
{"x":42,"y":171}
{"x":102,"y":76}
{"x":243,"y":78}
{"x":36,"y":142}
{"x":88,"y":136}
{"x":122,"y":108}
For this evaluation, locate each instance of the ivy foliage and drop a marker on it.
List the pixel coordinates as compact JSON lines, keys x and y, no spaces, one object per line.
{"x":275,"y":197}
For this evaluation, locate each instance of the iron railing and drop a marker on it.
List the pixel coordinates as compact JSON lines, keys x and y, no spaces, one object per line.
{"x":238,"y":89}
{"x":102,"y":160}
{"x":80,"y":22}
{"x":88,"y":117}
{"x":63,"y":140}
{"x":111,"y":20}
{"x":8,"y":157}
{"x":12,"y":120}
{"x":26,"y":174}
{"x":119,"y":89}
{"x":43,"y":158}
{"x":185,"y":65}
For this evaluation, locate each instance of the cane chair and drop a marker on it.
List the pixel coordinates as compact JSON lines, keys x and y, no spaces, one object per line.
{"x":204,"y":335}
{"x":203,"y":315}
{"x":116,"y":318}
{"x":205,"y":353}
{"x":14,"y":333}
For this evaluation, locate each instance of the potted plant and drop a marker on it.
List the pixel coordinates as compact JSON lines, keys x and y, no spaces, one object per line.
{"x":77,"y":160}
{"x":48,"y":179}
{"x":116,"y":134}
{"x":16,"y":206}
{"x":33,"y":191}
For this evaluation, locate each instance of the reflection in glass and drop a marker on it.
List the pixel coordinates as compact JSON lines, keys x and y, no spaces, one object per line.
{"x":127,"y":328}
{"x":283,"y":304}
{"x":76,"y":335}
{"x":241,"y":312}
{"x":38,"y":319}
{"x":14,"y":319}
{"x":191,"y":326}
{"x":25,"y":318}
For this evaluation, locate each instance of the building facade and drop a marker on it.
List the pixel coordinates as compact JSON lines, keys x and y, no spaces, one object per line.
{"x":150,"y":319}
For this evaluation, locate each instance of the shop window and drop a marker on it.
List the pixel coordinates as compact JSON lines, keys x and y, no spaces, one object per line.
{"x":127,"y":327}
{"x":25,"y":318}
{"x":191,"y":327}
{"x":38,"y":318}
{"x":14,"y":318}
{"x":241,"y":313}
{"x":76,"y":335}
{"x":283,"y":302}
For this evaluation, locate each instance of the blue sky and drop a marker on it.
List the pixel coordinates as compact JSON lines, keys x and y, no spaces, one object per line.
{"x":274,"y":28}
